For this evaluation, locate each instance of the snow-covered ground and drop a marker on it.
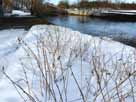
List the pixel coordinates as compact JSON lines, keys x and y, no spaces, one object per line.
{"x":53,"y":63}
{"x":8,"y":40}
{"x":20,"y":13}
{"x":123,"y":12}
{"x":8,"y":46}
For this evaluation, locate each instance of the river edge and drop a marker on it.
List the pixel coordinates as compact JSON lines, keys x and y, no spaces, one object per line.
{"x":127,"y":41}
{"x":27,"y":22}
{"x":106,"y":14}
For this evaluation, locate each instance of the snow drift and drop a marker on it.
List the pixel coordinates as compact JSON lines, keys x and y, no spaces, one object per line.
{"x":58,"y":64}
{"x":20,"y":13}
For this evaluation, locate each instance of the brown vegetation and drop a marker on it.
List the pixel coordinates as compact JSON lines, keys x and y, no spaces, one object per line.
{"x":36,"y":7}
{"x":99,"y":4}
{"x":63,"y":4}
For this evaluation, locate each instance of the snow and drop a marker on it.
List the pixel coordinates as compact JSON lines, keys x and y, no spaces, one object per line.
{"x":8,"y":47}
{"x":20,"y":13}
{"x":127,"y":11}
{"x":123,"y":12}
{"x":66,"y":46}
{"x":8,"y":41}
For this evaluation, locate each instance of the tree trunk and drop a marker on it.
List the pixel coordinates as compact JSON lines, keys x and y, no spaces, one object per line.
{"x":1,"y":8}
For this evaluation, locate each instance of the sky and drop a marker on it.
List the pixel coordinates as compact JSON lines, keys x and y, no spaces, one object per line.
{"x":74,"y":1}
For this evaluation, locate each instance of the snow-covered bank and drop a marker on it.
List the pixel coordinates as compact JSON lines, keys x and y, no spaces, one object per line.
{"x":8,"y":39}
{"x":20,"y":13}
{"x":57,"y":64}
{"x":8,"y":46}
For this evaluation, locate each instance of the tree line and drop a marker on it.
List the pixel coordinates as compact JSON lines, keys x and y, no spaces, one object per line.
{"x":97,"y":4}
{"x":36,"y":7}
{"x":31,"y":5}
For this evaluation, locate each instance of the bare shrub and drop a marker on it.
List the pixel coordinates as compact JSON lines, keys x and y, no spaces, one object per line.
{"x":73,"y":68}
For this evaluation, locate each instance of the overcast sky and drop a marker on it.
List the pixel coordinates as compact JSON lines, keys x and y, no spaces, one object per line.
{"x":71,"y":1}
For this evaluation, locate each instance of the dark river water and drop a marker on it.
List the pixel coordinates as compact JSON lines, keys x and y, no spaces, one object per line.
{"x":97,"y":27}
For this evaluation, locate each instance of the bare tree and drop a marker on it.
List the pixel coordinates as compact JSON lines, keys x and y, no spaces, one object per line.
{"x":1,"y":9}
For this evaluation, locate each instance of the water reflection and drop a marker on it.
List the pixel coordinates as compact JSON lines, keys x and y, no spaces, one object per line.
{"x":83,"y":19}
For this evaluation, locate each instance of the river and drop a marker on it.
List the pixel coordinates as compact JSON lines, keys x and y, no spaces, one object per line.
{"x":96,"y":27}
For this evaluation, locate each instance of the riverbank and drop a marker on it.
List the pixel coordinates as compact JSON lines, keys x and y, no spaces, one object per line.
{"x":107,"y":14}
{"x":42,"y":56}
{"x":23,"y":21}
